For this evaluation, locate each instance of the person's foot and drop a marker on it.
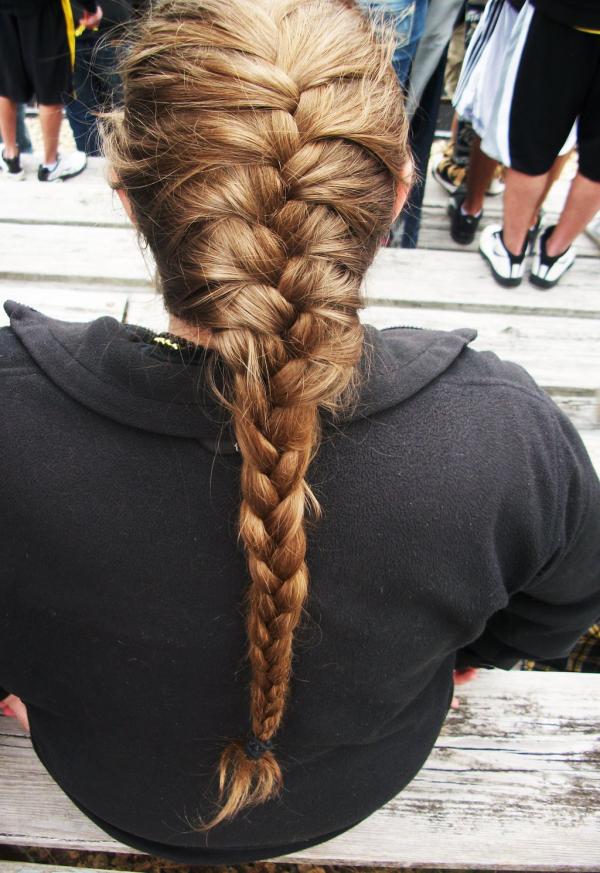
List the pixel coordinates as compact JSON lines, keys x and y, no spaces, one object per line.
{"x":448,"y":174}
{"x":507,"y":269}
{"x":65,"y":167}
{"x":11,"y":168}
{"x":463,"y":227}
{"x":546,"y":271}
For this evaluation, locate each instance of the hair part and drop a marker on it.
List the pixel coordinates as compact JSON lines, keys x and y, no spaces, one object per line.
{"x":260,"y":145}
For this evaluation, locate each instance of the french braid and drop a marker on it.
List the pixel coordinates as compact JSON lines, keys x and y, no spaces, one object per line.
{"x":260,"y":144}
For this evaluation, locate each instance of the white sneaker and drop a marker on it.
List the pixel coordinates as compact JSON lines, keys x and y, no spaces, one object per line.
{"x":495,"y":187}
{"x":65,"y":167}
{"x":547,"y":271}
{"x":11,"y":168}
{"x":507,"y":269}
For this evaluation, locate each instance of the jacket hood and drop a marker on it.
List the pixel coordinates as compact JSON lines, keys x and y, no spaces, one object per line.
{"x":117,"y":371}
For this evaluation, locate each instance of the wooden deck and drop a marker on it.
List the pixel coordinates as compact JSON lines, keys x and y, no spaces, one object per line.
{"x":513,"y":783}
{"x":523,"y":748}
{"x":68,"y":250}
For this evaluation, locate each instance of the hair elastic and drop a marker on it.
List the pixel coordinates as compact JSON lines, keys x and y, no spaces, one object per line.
{"x":256,"y":748}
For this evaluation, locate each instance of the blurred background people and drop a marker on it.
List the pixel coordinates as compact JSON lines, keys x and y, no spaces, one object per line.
{"x":37,"y":51}
{"x":96,"y":83}
{"x":550,"y":84}
{"x":408,"y":19}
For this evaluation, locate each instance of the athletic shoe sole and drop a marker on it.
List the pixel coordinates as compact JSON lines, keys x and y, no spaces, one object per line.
{"x":72,"y":166}
{"x":543,"y":283}
{"x":502,"y":280}
{"x":61,"y":178}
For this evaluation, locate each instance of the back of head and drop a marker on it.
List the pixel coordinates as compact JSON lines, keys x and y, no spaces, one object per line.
{"x":261,"y":145}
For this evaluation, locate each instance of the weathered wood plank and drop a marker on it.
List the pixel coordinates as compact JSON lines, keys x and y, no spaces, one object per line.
{"x":461,"y":280}
{"x":561,"y":353}
{"x":591,"y":440}
{"x":80,"y":254}
{"x":512,"y":784}
{"x":72,"y":203}
{"x":409,"y":277}
{"x":435,"y":232}
{"x":582,"y":409}
{"x":66,"y":305}
{"x":148,"y":311}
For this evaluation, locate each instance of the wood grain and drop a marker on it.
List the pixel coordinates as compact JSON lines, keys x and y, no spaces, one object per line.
{"x":99,"y":254}
{"x":513,"y":783}
{"x":66,"y":305}
{"x":557,"y":353}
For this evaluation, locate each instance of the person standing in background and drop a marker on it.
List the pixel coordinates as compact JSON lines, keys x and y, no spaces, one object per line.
{"x":550,"y":82}
{"x":95,"y":80}
{"x":408,"y":20}
{"x":37,"y":49}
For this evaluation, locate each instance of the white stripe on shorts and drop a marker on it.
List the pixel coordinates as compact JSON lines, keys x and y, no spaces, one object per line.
{"x":495,"y":141}
{"x":477,"y":92}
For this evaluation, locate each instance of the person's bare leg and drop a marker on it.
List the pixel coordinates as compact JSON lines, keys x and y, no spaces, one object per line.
{"x":481,"y":170}
{"x":454,"y":128}
{"x":521,"y":196}
{"x":50,"y":121}
{"x":8,"y":127}
{"x":554,"y":174}
{"x":582,"y":204}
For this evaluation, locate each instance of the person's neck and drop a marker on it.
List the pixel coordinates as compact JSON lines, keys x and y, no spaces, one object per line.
{"x":200,"y":336}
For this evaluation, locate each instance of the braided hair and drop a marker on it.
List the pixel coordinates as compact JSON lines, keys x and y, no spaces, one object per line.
{"x":261,"y":144}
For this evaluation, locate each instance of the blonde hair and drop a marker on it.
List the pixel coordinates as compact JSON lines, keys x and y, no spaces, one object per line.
{"x":261,"y":144}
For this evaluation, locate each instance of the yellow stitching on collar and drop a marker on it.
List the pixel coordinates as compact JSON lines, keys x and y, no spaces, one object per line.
{"x":167,"y":342}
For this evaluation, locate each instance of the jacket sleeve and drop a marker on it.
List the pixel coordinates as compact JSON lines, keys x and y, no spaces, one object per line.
{"x":90,"y":6}
{"x":545,"y":618}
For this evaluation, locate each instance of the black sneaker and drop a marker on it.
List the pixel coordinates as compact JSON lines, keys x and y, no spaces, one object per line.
{"x":11,"y":167}
{"x":462,"y":227}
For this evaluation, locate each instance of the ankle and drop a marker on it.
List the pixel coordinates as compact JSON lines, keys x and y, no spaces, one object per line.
{"x":516,"y":256}
{"x":553,"y":245}
{"x":9,"y":152}
{"x":511,"y":244}
{"x":468,"y":208}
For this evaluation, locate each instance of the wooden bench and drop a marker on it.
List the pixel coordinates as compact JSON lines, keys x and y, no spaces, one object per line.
{"x":513,"y":783}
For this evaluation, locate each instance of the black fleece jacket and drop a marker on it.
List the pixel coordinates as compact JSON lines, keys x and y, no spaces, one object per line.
{"x":461,"y":520}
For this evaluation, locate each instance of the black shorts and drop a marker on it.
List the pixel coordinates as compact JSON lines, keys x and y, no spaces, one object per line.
{"x":551,"y":83}
{"x":36,"y":54}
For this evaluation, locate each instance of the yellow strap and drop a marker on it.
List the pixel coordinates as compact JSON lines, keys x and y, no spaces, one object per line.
{"x":68,"y":13}
{"x":586,"y":30}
